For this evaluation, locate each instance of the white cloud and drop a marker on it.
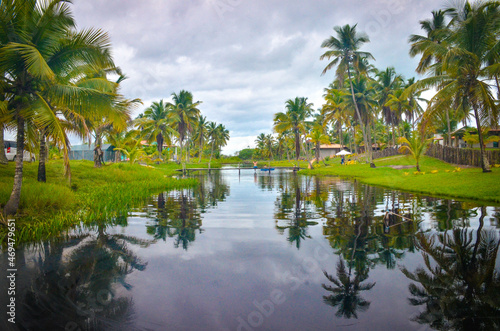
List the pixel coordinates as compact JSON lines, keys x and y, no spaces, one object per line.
{"x":247,"y":60}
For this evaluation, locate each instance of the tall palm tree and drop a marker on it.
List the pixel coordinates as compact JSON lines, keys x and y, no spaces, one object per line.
{"x":38,"y":46}
{"x":184,"y":113}
{"x":212,"y":138}
{"x":462,"y":74}
{"x":156,"y":125}
{"x":201,"y":134}
{"x":222,"y":137}
{"x":344,"y":49}
{"x":388,"y":82}
{"x":294,"y":119}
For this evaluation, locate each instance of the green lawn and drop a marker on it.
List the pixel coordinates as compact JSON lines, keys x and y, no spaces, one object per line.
{"x":46,"y":209}
{"x":448,"y":181}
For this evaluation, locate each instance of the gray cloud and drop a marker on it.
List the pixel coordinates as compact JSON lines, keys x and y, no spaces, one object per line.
{"x":244,"y":58}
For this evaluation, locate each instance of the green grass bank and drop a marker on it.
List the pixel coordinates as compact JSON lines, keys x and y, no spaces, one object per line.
{"x":95,"y":194}
{"x":436,"y":179}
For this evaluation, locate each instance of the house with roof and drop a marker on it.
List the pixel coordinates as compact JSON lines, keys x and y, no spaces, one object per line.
{"x":86,"y":152}
{"x":330,"y":150}
{"x":458,"y":135}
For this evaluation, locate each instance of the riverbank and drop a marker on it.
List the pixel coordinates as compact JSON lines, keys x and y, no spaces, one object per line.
{"x":47,"y":209}
{"x":437,"y":178}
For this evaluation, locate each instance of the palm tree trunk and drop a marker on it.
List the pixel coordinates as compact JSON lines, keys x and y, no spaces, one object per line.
{"x":159,"y":145}
{"x":485,"y":164}
{"x":98,"y":154}
{"x":15,"y":197}
{"x":297,"y":146}
{"x":201,"y":150}
{"x":363,"y":131}
{"x":393,"y":135}
{"x":3,"y":157}
{"x":42,"y":177}
{"x":448,"y":142}
{"x":211,"y":153}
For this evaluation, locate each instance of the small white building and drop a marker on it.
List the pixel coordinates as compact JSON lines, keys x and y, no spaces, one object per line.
{"x":330,"y":150}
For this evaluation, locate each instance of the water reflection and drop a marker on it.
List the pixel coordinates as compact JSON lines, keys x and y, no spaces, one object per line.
{"x":292,"y":213}
{"x":459,"y":287}
{"x":224,"y":246}
{"x":80,"y":282}
{"x":346,"y":292}
{"x":178,"y":214}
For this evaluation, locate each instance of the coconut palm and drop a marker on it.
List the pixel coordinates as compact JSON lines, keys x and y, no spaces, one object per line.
{"x":294,"y":120}
{"x":201,"y":134}
{"x":184,"y":114}
{"x":212,"y":138}
{"x":344,"y":49}
{"x":38,"y":48}
{"x":317,"y":138}
{"x":388,"y":82}
{"x":462,"y":76}
{"x":156,"y":125}
{"x":416,"y":145}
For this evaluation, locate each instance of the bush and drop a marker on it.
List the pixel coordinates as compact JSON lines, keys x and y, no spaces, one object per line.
{"x":246,"y":154}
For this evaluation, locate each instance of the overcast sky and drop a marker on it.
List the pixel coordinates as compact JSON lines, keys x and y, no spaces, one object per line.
{"x":244,"y":58}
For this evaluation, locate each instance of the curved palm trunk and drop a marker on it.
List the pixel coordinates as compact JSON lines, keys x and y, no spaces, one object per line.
{"x":361,"y":124}
{"x":15,"y":197}
{"x":3,"y":157}
{"x":485,"y":164}
{"x":42,"y":177}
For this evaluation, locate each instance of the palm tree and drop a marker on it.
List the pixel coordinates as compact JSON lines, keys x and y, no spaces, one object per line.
{"x":184,"y":113}
{"x":201,"y":134}
{"x":344,"y":51}
{"x":295,"y":120}
{"x":388,"y":83}
{"x":38,"y":47}
{"x":416,"y":145}
{"x":212,"y":138}
{"x":222,"y":137}
{"x":317,"y":138}
{"x":437,"y":31}
{"x":156,"y":125}
{"x":463,"y":71}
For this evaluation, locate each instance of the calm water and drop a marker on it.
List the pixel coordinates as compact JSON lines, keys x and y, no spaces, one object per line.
{"x":276,"y":251}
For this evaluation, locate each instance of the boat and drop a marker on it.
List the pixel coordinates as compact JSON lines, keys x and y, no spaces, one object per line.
{"x":266,"y":169}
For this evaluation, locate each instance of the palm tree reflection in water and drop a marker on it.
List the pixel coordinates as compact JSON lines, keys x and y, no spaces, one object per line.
{"x":459,"y":286}
{"x":80,"y":283}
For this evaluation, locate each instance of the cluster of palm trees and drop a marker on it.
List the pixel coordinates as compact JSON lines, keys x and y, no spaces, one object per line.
{"x":366,"y":106}
{"x":181,"y":119}
{"x":54,"y":80}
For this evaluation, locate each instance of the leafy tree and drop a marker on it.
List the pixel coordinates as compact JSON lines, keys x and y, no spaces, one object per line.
{"x":294,"y":120}
{"x":38,"y":47}
{"x":184,"y":113}
{"x":416,"y":145}
{"x":344,"y":49}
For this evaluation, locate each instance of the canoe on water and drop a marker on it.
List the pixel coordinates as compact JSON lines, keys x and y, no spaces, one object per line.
{"x":268,"y":169}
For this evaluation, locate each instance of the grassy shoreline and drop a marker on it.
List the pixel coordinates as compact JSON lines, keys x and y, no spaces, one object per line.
{"x":48,"y":209}
{"x":437,"y":178}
